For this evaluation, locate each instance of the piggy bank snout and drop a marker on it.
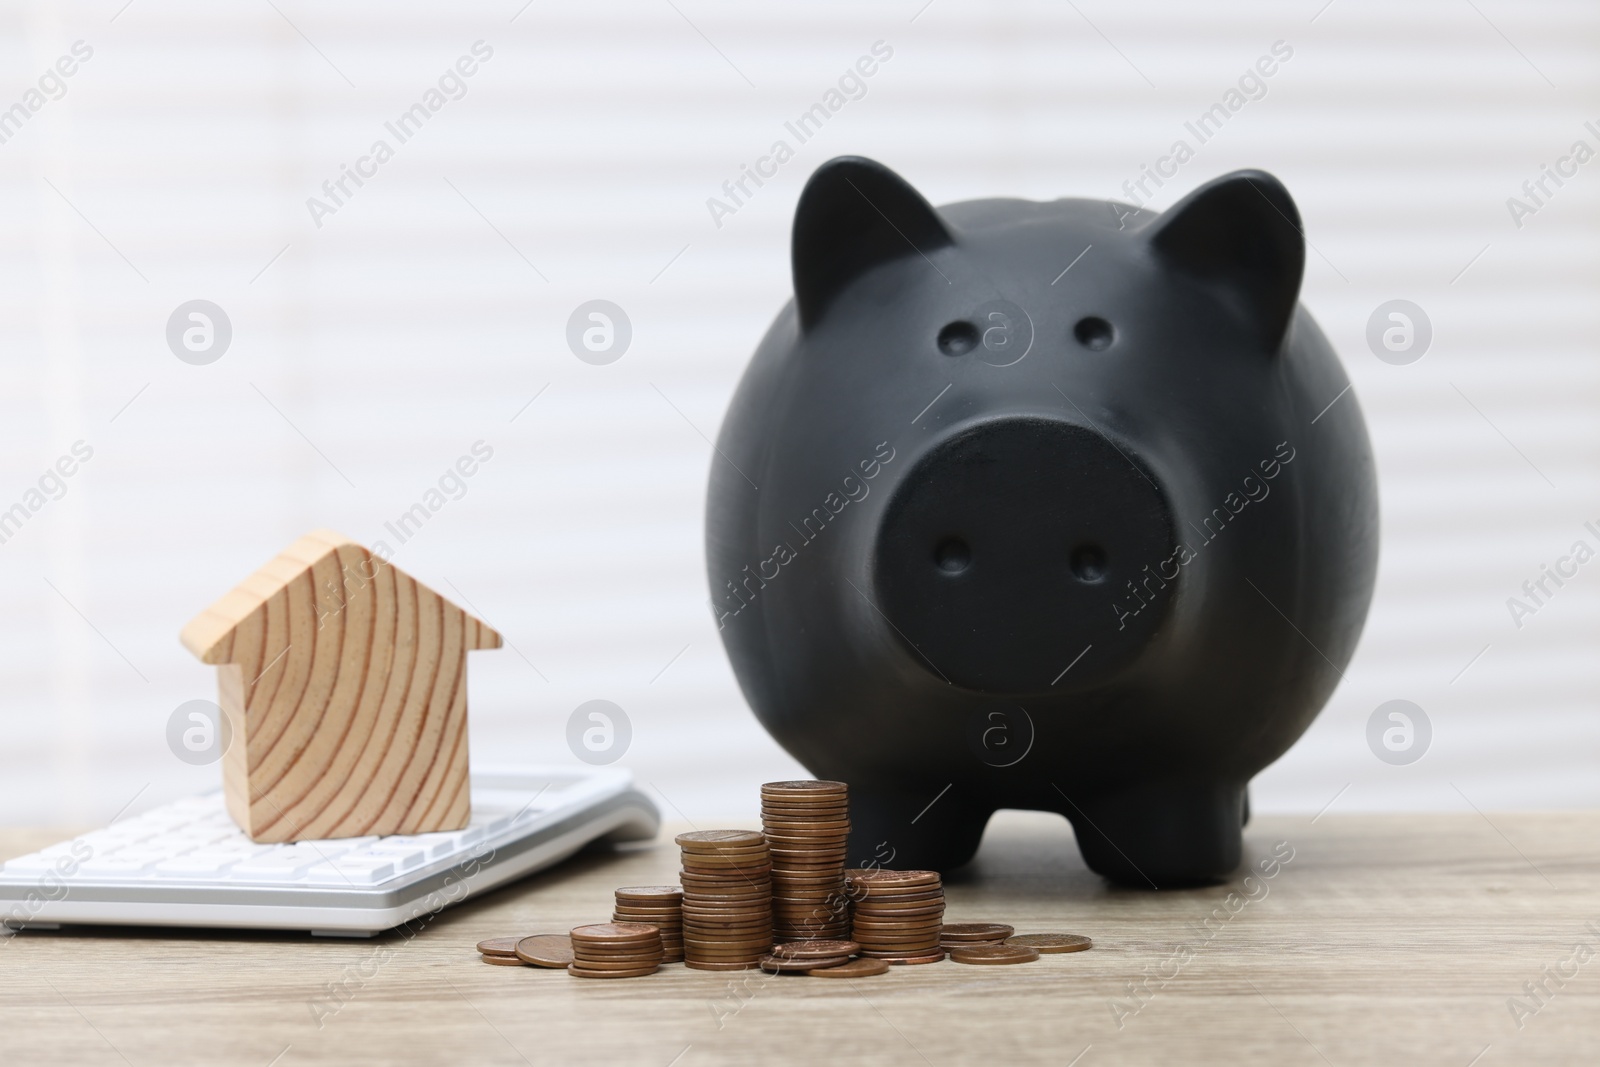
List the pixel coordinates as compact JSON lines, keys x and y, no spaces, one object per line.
{"x":1025,"y":554}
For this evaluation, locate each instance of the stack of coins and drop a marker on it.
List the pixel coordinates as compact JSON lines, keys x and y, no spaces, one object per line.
{"x":727,"y":899}
{"x":899,"y":915}
{"x":615,"y":950}
{"x":807,"y":824}
{"x":965,"y":935}
{"x":660,"y":906}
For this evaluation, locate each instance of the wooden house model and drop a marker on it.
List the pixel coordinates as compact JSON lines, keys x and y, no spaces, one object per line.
{"x":344,"y":681}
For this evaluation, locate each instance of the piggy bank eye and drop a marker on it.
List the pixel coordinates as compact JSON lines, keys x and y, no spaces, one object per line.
{"x":958,"y":338}
{"x":1094,"y":333}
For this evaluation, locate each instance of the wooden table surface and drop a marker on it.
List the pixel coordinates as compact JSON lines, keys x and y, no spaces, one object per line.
{"x":1405,"y":939}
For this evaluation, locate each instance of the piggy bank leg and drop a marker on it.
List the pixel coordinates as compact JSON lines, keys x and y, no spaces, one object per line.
{"x":904,"y":831}
{"x":1161,"y":835}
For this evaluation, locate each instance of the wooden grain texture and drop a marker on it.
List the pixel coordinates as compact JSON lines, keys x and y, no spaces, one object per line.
{"x":344,"y":683}
{"x":1382,"y":940}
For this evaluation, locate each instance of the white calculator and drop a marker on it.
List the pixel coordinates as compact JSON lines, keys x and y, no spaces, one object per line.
{"x":187,"y":864}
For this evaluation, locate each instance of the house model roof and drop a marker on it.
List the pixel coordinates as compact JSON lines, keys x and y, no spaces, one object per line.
{"x":210,"y":634}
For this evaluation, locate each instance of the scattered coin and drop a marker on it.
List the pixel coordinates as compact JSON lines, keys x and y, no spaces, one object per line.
{"x":501,"y":961}
{"x":994,"y":954}
{"x":797,"y":950}
{"x":976,"y":932}
{"x":499,"y":946}
{"x":1052,"y":942}
{"x":585,"y":972}
{"x":778,"y":965}
{"x":545,"y":950}
{"x":856,"y":968}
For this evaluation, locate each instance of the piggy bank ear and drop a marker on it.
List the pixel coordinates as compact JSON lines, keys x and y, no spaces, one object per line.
{"x":853,"y":215}
{"x":1240,"y":235}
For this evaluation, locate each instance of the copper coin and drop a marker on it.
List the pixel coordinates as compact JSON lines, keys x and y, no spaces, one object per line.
{"x":805,"y":787}
{"x":786,"y":852}
{"x":776,"y":798}
{"x":727,"y":866}
{"x":726,"y":911}
{"x":925,"y":922}
{"x":794,"y":950}
{"x":1052,"y":942}
{"x":697,"y":893}
{"x":618,"y":965}
{"x":713,"y":885}
{"x":858,"y":968}
{"x":976,"y":931}
{"x":722,"y":915}
{"x":614,"y":932}
{"x":501,"y":961}
{"x":702,"y":885}
{"x":866,"y":894}
{"x":545,"y":950}
{"x":735,"y":941}
{"x":770,"y":812}
{"x":718,"y":838}
{"x":883,"y":877}
{"x":649,"y":893}
{"x":499,"y":946}
{"x":899,"y":956}
{"x":994,"y":954}
{"x":718,"y":965}
{"x":644,"y":952}
{"x":779,"y":965}
{"x":713,"y":921}
{"x":924,"y":909}
{"x":912,"y":961}
{"x":712,"y":950}
{"x":584,"y":972}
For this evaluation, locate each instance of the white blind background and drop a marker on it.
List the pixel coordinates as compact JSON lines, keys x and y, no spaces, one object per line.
{"x":369,"y":353}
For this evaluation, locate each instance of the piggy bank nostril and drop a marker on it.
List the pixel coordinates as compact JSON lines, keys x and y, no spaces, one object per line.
{"x":1088,"y":563}
{"x":952,"y":555}
{"x":1094,"y":333}
{"x":958,"y":338}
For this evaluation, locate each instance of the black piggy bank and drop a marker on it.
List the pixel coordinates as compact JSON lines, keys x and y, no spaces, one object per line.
{"x":1061,"y":506}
